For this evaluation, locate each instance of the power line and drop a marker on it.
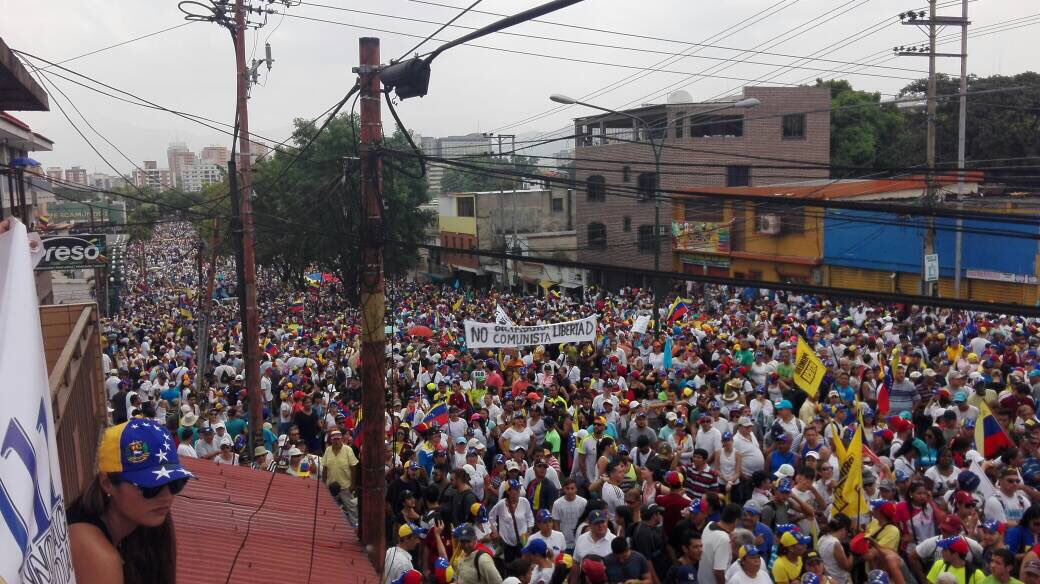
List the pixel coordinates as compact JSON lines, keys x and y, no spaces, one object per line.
{"x":608,"y":46}
{"x":120,"y":44}
{"x":442,"y":27}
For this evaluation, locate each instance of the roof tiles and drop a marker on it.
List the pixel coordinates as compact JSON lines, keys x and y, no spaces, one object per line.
{"x":297,"y":532}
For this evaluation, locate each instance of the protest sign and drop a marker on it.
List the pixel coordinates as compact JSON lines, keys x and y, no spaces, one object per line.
{"x":490,"y":335}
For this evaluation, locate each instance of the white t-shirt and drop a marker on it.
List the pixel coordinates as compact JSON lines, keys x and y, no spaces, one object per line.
{"x":614,"y":497}
{"x":285,"y":413}
{"x":184,"y":449}
{"x":710,"y":440}
{"x":519,"y":438}
{"x":555,"y":540}
{"x":739,"y":577}
{"x":567,"y":513}
{"x":1002,"y":508}
{"x":751,"y":458}
{"x":717,"y":553}
{"x":585,"y":546}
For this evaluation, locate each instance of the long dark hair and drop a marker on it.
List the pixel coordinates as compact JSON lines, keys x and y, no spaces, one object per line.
{"x":149,"y":553}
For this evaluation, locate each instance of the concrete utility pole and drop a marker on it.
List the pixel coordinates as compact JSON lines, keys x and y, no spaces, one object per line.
{"x":962,"y":118}
{"x":931,"y":197}
{"x":250,"y":322}
{"x":373,"y":309}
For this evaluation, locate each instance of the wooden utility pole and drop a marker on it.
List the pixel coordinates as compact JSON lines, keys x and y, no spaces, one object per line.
{"x":373,"y":335}
{"x":250,"y":323}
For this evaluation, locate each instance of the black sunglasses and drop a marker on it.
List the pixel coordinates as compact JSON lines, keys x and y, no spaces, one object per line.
{"x":152,"y":492}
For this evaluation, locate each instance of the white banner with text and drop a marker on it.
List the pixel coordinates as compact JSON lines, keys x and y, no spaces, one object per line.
{"x":482,"y":335}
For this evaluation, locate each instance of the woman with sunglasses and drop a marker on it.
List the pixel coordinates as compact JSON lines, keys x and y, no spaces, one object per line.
{"x":120,"y":527}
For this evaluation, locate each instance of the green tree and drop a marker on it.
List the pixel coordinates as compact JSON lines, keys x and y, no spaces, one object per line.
{"x":309,"y":213}
{"x":863,"y":133}
{"x":141,"y":221}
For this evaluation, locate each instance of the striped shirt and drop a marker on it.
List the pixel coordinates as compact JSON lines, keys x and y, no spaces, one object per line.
{"x":700,"y":482}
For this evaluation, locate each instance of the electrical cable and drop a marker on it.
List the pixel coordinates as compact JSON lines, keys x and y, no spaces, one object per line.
{"x":772,"y":200}
{"x":613,"y":46}
{"x":442,"y":27}
{"x":120,"y":44}
{"x":407,"y":136}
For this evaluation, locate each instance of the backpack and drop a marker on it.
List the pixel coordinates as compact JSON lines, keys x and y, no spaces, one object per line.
{"x":500,"y":565}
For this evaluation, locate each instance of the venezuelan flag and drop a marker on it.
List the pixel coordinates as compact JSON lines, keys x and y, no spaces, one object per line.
{"x":990,"y":438}
{"x":678,"y":310}
{"x":438,"y":414}
{"x":296,"y":306}
{"x":186,"y":313}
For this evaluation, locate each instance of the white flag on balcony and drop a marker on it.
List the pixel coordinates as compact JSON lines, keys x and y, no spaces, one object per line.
{"x":34,"y":536}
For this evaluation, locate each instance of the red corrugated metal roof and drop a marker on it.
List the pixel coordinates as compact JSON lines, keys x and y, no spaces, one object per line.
{"x":298,"y":515}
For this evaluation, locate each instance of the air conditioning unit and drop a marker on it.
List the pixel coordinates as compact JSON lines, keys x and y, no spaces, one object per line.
{"x":769,"y":224}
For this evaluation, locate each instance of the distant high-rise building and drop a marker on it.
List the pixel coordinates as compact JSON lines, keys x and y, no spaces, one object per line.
{"x":55,"y":173}
{"x":258,"y":150}
{"x":196,"y":176}
{"x":76,"y":175}
{"x":100,"y":180}
{"x":178,"y":157}
{"x":218,"y":155}
{"x":150,"y":175}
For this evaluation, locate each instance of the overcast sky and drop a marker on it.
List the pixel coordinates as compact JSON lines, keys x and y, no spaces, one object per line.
{"x":472,"y":89}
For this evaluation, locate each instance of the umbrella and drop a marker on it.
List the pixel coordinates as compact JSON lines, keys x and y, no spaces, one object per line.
{"x":420,"y":331}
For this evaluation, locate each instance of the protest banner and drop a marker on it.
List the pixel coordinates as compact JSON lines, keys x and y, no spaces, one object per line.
{"x":480,"y":335}
{"x":642,"y":321}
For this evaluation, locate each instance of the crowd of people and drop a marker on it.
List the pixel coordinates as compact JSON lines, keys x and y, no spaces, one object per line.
{"x":687,"y":453}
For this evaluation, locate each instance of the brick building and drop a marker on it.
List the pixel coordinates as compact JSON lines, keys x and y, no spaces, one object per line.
{"x":615,"y":165}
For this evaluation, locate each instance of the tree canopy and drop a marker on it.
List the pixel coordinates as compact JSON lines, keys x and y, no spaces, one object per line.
{"x":308,"y":210}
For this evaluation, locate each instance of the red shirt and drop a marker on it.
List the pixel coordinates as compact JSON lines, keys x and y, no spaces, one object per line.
{"x":673,"y":504}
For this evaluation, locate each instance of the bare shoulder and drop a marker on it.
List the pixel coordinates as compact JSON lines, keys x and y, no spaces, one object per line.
{"x":94,"y":558}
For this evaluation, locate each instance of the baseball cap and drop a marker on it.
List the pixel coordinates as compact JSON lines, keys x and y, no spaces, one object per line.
{"x":952,"y":524}
{"x":140,"y":452}
{"x":784,"y":405}
{"x":784,"y":485}
{"x":410,"y":529}
{"x":745,"y":421}
{"x":649,"y":510}
{"x":673,"y":478}
{"x":788,"y":539}
{"x":994,"y":526}
{"x":1033,"y":567}
{"x":810,"y":578}
{"x":877,"y":577}
{"x":464,"y":532}
{"x":543,"y":515}
{"x":409,"y":577}
{"x":594,"y":570}
{"x":752,"y":508}
{"x":748,"y":550}
{"x":514,"y":485}
{"x":536,"y":547}
{"x":727,"y":436}
{"x":785,"y":471}
{"x":597,"y":516}
{"x":955,"y":544}
{"x":512,"y":465}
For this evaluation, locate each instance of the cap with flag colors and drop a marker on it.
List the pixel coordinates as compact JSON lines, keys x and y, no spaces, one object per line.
{"x":141,"y":452}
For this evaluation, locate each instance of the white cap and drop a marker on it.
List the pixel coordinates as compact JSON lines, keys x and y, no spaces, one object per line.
{"x":812,"y":454}
{"x":474,"y":443}
{"x":512,"y":465}
{"x":294,"y":451}
{"x":671,"y":416}
{"x":633,"y":404}
{"x":785,"y":470}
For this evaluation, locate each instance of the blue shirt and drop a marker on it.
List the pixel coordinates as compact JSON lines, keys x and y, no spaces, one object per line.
{"x":777,"y":458}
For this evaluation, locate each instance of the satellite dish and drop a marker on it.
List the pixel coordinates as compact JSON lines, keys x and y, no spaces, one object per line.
{"x":678,"y":97}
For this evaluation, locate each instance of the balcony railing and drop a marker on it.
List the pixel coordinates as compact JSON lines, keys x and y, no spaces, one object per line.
{"x":72,"y":341}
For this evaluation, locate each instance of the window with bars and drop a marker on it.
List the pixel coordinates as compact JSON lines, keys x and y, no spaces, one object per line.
{"x":596,"y":188}
{"x":647,"y":239}
{"x":597,"y":236}
{"x":647,"y":185}
{"x":793,"y":127}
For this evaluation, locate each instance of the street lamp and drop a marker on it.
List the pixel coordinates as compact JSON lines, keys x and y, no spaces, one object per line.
{"x":657,"y":145}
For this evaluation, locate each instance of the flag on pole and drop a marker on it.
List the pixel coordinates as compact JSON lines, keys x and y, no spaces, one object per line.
{"x":680,"y":308}
{"x":502,"y":317}
{"x":848,"y":494}
{"x":439,"y":414}
{"x":990,"y":438}
{"x":808,"y":369}
{"x":296,"y":306}
{"x":458,"y":304}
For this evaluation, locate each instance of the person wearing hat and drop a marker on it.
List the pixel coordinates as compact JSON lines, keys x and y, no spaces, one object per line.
{"x":121,"y":521}
{"x":207,"y":447}
{"x":788,"y":565}
{"x":554,"y":540}
{"x":749,"y":558}
{"x":262,"y":459}
{"x":750,"y":521}
{"x":1009,"y":503}
{"x":648,"y":537}
{"x":398,"y":559}
{"x":954,"y":561}
{"x":339,"y":472}
{"x":786,"y":423}
{"x":511,"y":519}
{"x":596,"y":540}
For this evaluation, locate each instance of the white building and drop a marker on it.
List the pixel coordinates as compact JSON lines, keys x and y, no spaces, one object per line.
{"x":196,"y":176}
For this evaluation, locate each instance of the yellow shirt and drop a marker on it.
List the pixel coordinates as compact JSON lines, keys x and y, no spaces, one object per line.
{"x":784,"y":570}
{"x":338,"y":466}
{"x":941,"y":567}
{"x":888,"y":536}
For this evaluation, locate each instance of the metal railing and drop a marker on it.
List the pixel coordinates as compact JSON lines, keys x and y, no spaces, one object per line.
{"x":78,"y":400}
